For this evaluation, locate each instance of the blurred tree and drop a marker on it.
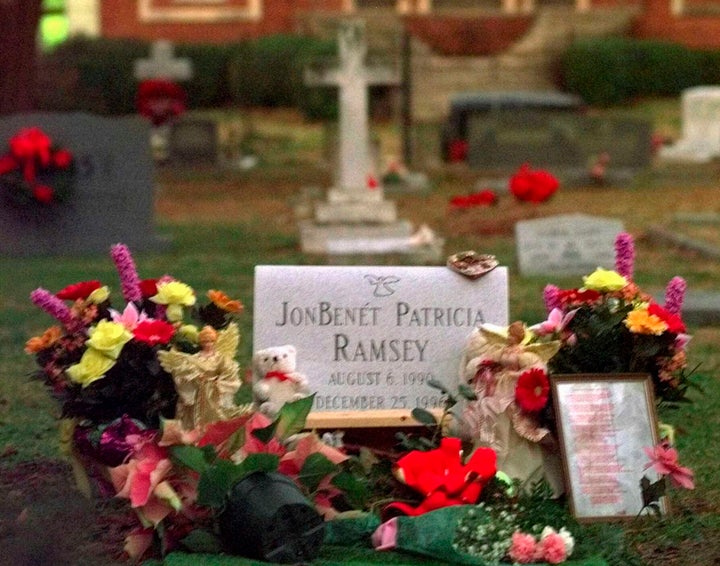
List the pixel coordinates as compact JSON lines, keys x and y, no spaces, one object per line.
{"x":19,"y":21}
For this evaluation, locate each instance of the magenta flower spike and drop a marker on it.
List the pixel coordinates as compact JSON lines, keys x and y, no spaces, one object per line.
{"x":675,"y":295}
{"x":129,"y":279}
{"x":624,"y":255}
{"x":54,"y":307}
{"x":551,"y":296}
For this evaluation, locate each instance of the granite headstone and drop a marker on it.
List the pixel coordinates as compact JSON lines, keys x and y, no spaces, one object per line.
{"x":570,"y":244}
{"x":112,"y":195}
{"x":370,"y":338}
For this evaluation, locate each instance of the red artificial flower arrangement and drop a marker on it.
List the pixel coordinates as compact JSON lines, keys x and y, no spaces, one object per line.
{"x":485,"y":197}
{"x":34,"y":170}
{"x":530,"y":185}
{"x":160,"y":100}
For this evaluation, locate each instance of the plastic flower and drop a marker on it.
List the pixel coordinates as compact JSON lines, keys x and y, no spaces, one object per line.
{"x":109,"y":338}
{"x":624,"y":255}
{"x":175,"y":295}
{"x":553,"y":548}
{"x":292,"y":462}
{"x":99,"y":295}
{"x":564,"y":534}
{"x":604,"y":281}
{"x":92,"y":366}
{"x":154,"y":332}
{"x":533,"y":186}
{"x":45,"y":340}
{"x":675,"y":295}
{"x":673,"y":321}
{"x":77,"y":291}
{"x":522,"y":548}
{"x":125,"y":265}
{"x":129,"y":318}
{"x":222,"y":301}
{"x":641,"y":321}
{"x":556,"y":322}
{"x":189,"y":332}
{"x":148,"y":288}
{"x":55,"y":307}
{"x":664,"y":460}
{"x":532,"y":390}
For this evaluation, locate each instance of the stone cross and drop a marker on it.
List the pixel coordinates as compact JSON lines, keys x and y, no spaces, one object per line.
{"x":162,"y":64}
{"x":353,"y":78}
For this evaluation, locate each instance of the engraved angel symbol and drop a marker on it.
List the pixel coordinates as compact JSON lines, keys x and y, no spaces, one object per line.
{"x":383,"y":284}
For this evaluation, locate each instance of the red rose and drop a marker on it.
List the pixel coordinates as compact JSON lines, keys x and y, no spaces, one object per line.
{"x":674,"y":322}
{"x":148,"y":288}
{"x":77,"y":291}
{"x":43,"y":194}
{"x":532,"y":390}
{"x":457,"y":151}
{"x":154,"y":332}
{"x":7,"y":164}
{"x":62,"y":158}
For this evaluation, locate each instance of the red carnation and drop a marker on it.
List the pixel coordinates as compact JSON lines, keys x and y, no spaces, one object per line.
{"x":532,"y":390}
{"x":154,"y":332}
{"x":77,"y":291}
{"x":148,"y":288}
{"x":62,"y":158}
{"x":43,"y":194}
{"x":576,"y":297}
{"x":674,"y":322}
{"x":533,"y":186}
{"x":7,"y":164}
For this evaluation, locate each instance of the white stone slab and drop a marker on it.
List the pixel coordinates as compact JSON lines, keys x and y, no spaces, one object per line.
{"x":700,"y":140}
{"x":369,"y":337}
{"x":570,"y":244}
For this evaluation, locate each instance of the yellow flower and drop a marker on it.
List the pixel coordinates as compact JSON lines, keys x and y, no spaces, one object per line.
{"x":92,"y":366}
{"x":109,"y":338}
{"x":604,"y":281}
{"x":189,"y":332}
{"x":175,"y":295}
{"x":640,"y":321}
{"x":99,"y":295}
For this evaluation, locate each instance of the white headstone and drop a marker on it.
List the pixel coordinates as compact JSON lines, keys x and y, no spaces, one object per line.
{"x":369,"y":338}
{"x":162,"y":64}
{"x":700,"y":140}
{"x":571,"y":244}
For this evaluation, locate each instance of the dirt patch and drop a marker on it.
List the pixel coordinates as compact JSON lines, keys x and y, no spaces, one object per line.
{"x":45,"y":521}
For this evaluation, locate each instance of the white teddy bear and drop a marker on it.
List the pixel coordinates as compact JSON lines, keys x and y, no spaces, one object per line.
{"x":275,"y":381}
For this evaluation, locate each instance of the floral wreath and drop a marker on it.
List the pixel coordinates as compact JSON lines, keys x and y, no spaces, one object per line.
{"x":36,"y":171}
{"x":160,"y":100}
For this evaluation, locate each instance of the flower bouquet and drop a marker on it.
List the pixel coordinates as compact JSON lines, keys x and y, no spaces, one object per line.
{"x":35,"y":170}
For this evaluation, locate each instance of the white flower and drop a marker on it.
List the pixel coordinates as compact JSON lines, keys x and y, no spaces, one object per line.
{"x":564,"y":534}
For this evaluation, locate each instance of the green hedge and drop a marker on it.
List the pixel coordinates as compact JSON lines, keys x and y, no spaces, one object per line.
{"x":614,"y":70}
{"x":96,"y":75}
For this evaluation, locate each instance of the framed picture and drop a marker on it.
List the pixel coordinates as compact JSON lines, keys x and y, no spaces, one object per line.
{"x":604,"y":422}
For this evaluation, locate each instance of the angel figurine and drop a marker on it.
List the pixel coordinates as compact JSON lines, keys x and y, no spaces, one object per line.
{"x":493,"y":361}
{"x":207,"y":381}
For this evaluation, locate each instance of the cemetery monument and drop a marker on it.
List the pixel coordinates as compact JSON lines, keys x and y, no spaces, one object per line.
{"x":700,"y":140}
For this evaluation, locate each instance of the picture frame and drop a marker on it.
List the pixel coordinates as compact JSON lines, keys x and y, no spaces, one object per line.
{"x":604,"y":422}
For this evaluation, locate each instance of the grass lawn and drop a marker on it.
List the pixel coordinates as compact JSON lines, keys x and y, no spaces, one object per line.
{"x":222,"y":224}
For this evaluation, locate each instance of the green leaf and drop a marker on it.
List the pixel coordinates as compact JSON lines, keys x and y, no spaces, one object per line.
{"x":265,"y":434}
{"x":195,"y":458}
{"x":314,"y":470}
{"x":260,"y":462}
{"x":292,"y":416}
{"x":355,"y":490}
{"x":216,"y":481}
{"x":202,"y":541}
{"x":466,"y":392}
{"x":424,"y":417}
{"x":435,"y":384}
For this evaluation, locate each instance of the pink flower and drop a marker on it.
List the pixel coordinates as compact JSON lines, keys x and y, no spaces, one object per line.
{"x":54,"y":307}
{"x":551,"y":297}
{"x":130,"y":317}
{"x":292,"y":462}
{"x":664,"y":460}
{"x":556,"y":322}
{"x":253,"y":445}
{"x":385,"y":536}
{"x":553,"y":549}
{"x":128,"y":273}
{"x":624,"y":255}
{"x":522,"y":548}
{"x":675,"y":295}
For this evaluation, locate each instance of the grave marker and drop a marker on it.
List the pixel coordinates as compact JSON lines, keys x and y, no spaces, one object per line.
{"x":162,"y":64}
{"x":571,"y":244}
{"x":700,"y":140}
{"x":112,"y":197}
{"x":369,"y":338}
{"x":193,"y":141}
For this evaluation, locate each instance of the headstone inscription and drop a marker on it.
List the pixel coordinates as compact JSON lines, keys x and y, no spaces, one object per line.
{"x":700,"y":140}
{"x":370,"y":338}
{"x":112,"y":196}
{"x":571,"y":244}
{"x":355,"y":211}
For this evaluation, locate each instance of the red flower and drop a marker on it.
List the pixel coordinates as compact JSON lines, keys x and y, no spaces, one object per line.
{"x":533,"y":186}
{"x":576,"y":297}
{"x":486,"y":197}
{"x":7,"y":164}
{"x":148,"y":288}
{"x":31,"y":143}
{"x":43,"y":194}
{"x":154,"y":332}
{"x":62,"y":158}
{"x":160,"y":100}
{"x":372,"y":182}
{"x":673,"y":321}
{"x":532,"y":390}
{"x":77,"y":291}
{"x":457,"y":151}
